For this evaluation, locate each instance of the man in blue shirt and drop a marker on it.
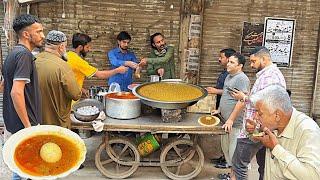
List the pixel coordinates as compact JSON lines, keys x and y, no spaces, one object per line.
{"x":121,"y":56}
{"x":223,"y":60}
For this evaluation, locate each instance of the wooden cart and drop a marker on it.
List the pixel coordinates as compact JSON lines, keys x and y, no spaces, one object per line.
{"x":180,"y":155}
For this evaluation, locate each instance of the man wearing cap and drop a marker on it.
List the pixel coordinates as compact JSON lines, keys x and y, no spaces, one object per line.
{"x":57,"y":82}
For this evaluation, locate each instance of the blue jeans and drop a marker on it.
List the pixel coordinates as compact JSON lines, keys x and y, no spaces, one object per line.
{"x":245,"y":151}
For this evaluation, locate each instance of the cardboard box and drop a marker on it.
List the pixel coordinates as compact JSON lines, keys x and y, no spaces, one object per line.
{"x":205,"y":105}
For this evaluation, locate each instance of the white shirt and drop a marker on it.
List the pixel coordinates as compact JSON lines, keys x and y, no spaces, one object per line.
{"x":297,"y":156}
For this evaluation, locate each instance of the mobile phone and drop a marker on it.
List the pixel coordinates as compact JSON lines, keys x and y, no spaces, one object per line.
{"x":232,"y":89}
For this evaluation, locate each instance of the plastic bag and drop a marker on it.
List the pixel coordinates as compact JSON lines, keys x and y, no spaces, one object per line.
{"x":114,"y":87}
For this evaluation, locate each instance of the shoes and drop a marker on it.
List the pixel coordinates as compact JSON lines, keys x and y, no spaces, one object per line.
{"x":222,"y":165}
{"x":221,"y":159}
{"x":224,"y":176}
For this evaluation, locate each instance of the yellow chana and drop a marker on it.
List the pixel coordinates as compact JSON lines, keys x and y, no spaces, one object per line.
{"x":170,"y":92}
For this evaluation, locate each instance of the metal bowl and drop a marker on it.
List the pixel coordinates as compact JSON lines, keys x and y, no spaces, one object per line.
{"x":87,"y":102}
{"x":169,"y":104}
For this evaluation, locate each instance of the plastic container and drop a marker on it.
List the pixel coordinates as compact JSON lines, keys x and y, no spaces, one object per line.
{"x":147,"y":144}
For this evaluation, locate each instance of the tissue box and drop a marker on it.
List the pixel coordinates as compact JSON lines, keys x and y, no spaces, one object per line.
{"x":205,"y":105}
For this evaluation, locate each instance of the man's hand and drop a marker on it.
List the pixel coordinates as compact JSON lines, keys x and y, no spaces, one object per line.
{"x":211,"y":90}
{"x":160,"y":72}
{"x":250,"y":125}
{"x":131,"y":64}
{"x":269,"y":140}
{"x":85,"y":92}
{"x":214,"y":112}
{"x":122,"y":69}
{"x":143,"y":62}
{"x":228,"y":126}
{"x":238,"y":95}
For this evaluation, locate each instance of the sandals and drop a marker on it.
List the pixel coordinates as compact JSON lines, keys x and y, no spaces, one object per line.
{"x":224,"y":176}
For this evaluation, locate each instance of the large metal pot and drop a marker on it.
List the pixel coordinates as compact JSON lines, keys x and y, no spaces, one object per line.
{"x":169,"y":104}
{"x":122,"y":108}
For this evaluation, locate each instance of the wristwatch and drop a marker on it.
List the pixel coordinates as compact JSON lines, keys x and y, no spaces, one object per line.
{"x":244,"y":99}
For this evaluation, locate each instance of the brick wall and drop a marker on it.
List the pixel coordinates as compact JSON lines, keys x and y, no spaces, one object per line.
{"x":223,"y":22}
{"x":103,"y":20}
{"x":2,"y":36}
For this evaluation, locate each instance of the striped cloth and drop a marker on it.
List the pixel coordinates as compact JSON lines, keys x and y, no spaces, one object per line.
{"x":266,"y":77}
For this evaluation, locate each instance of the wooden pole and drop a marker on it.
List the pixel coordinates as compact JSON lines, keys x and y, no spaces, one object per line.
{"x":11,"y":9}
{"x":191,"y":19}
{"x":1,"y":56}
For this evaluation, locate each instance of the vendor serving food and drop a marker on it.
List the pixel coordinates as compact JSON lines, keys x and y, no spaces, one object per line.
{"x":121,"y":56}
{"x":161,"y":59}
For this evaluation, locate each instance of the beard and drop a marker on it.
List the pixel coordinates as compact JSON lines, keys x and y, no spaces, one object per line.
{"x":83,"y":53}
{"x":124,"y":48}
{"x":64,"y":56}
{"x":162,"y":46}
{"x":37,"y":44}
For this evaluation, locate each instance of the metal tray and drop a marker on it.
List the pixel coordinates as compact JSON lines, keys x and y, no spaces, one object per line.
{"x":166,"y":104}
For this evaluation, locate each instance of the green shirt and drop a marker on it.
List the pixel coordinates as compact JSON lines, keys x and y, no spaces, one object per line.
{"x":58,"y":88}
{"x":165,"y":61}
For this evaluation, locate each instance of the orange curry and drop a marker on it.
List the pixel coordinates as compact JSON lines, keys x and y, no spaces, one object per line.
{"x":122,"y":95}
{"x":27,"y":155}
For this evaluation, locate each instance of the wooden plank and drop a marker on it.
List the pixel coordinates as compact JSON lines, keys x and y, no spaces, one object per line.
{"x":153,"y":124}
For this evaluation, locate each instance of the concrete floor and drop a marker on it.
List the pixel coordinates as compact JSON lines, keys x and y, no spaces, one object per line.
{"x":91,"y":172}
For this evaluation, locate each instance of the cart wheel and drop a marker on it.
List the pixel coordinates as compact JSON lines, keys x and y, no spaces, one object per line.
{"x":181,"y":159}
{"x":119,"y":161}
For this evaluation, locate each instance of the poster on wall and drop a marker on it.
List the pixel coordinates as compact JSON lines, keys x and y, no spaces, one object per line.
{"x":278,"y":38}
{"x":252,"y":36}
{"x":195,"y":26}
{"x":193,"y":59}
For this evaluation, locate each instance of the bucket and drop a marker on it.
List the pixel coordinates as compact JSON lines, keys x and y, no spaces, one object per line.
{"x":148,"y":144}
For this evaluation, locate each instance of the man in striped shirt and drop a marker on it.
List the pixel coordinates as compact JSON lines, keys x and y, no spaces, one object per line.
{"x":267,"y":74}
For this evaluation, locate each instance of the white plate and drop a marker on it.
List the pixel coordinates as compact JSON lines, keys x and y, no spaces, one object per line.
{"x":11,"y":144}
{"x":215,"y":123}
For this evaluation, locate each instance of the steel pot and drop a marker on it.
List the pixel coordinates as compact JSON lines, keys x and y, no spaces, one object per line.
{"x":122,"y":108}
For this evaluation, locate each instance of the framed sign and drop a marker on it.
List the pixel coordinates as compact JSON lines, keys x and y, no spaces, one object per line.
{"x":195,"y":26}
{"x":278,"y":38}
{"x":252,"y":36}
